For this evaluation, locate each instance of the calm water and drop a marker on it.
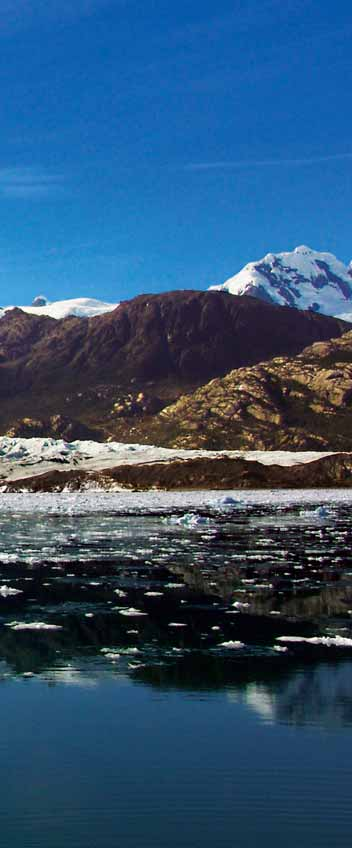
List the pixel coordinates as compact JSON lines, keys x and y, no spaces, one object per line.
{"x":143,"y":698}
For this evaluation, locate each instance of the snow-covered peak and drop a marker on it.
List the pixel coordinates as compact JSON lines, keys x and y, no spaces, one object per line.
{"x":80,"y":307}
{"x":303,"y":278}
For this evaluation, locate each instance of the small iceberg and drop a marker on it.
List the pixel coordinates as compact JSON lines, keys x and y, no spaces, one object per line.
{"x":190,"y":519}
{"x":131,"y":611}
{"x":7,"y":591}
{"x":33,"y":625}
{"x":153,"y":594}
{"x":321,"y":512}
{"x":226,"y":502}
{"x":325,"y":641}
{"x":177,"y":624}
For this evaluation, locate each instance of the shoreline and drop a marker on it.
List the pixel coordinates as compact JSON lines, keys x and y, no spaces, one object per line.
{"x":220,"y":472}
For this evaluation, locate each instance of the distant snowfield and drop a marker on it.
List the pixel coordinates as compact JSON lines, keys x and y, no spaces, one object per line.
{"x":80,"y":307}
{"x":20,"y":457}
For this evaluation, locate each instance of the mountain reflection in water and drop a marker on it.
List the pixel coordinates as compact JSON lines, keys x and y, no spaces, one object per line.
{"x":147,"y":697}
{"x":196,"y":599}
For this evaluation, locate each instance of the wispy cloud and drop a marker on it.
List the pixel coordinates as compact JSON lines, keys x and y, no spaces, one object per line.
{"x":30,"y":183}
{"x":247,"y":164}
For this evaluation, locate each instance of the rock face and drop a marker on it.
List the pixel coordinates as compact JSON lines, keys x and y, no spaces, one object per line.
{"x":140,"y":356}
{"x":301,"y":402}
{"x":303,"y":278}
{"x":55,"y":427}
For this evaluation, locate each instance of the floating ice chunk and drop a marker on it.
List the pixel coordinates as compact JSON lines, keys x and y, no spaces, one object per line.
{"x":131,"y":611}
{"x":325,"y":641}
{"x":190,"y":519}
{"x":89,"y":615}
{"x":107,"y":651}
{"x":120,"y":593}
{"x":175,"y":585}
{"x":226,"y":501}
{"x":154,"y":594}
{"x":130,"y":651}
{"x":321,"y":512}
{"x":280,"y":649}
{"x":235,"y":645}
{"x":33,"y":625}
{"x":215,"y":627}
{"x":177,"y":624}
{"x":6,"y":591}
{"x":132,"y":632}
{"x":112,"y":655}
{"x":241,"y":605}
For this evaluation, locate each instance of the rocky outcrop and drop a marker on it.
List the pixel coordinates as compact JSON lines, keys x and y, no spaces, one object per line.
{"x":130,"y":404}
{"x":302,"y":402}
{"x":55,"y":427}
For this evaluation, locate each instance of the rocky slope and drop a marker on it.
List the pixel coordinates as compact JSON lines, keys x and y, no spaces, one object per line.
{"x":303,"y":278}
{"x":109,"y":370}
{"x":302,"y":402}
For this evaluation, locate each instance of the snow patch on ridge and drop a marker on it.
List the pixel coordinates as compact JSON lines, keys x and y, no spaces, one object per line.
{"x":80,"y":307}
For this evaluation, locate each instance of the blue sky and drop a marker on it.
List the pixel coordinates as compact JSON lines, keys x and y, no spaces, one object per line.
{"x":147,"y":146}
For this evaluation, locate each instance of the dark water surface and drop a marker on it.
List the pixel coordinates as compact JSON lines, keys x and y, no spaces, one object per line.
{"x":143,"y":698}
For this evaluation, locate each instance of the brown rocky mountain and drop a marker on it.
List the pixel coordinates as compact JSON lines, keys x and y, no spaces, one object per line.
{"x":115,"y":371}
{"x":300,"y":402}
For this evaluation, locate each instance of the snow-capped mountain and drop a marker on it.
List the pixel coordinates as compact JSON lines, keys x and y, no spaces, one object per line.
{"x":303,"y":278}
{"x":80,"y":307}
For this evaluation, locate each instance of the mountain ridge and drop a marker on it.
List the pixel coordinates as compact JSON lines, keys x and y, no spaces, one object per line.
{"x":106,"y":370}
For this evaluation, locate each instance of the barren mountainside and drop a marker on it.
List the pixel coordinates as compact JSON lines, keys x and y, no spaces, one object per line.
{"x":302,"y":402}
{"x":104,"y":372}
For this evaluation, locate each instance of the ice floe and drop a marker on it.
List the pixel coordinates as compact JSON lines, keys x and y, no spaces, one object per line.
{"x":32,"y":625}
{"x":7,"y":591}
{"x":153,"y":594}
{"x":190,"y":519}
{"x":131,"y":611}
{"x":325,"y":641}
